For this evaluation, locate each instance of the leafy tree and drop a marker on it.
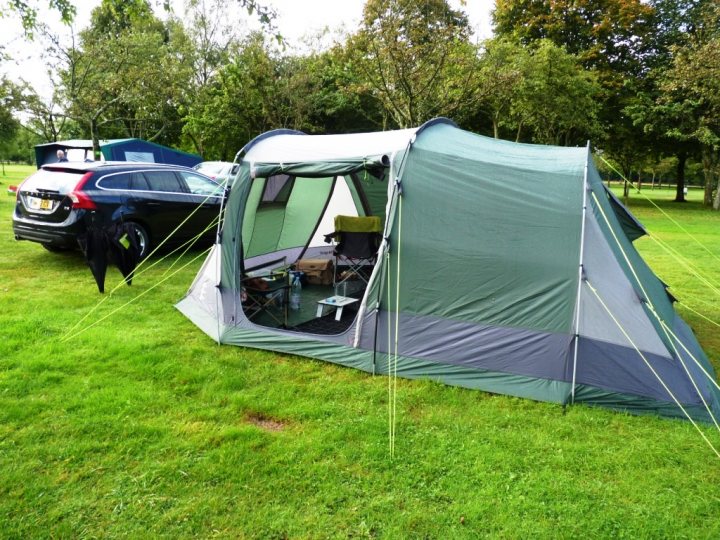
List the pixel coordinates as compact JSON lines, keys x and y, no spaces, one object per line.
{"x":692,"y":95}
{"x":127,"y":74}
{"x":28,"y":11}
{"x":674,"y":24}
{"x":8,"y":124}
{"x":607,"y":35}
{"x":415,"y":58}
{"x":22,"y":147}
{"x":260,"y":89}
{"x":556,"y":99}
{"x":678,"y":110}
{"x":539,"y":93}
{"x":500,"y":73}
{"x":237,"y":104}
{"x":339,"y":102}
{"x":214,"y":36}
{"x":611,"y":37}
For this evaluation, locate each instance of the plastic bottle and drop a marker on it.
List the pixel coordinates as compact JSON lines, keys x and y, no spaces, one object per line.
{"x":295,"y":290}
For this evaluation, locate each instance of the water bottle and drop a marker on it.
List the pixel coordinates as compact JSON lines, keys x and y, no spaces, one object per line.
{"x":295,"y":290}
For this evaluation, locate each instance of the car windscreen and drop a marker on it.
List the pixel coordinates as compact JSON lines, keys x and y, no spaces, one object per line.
{"x":49,"y":180}
{"x":201,"y":186}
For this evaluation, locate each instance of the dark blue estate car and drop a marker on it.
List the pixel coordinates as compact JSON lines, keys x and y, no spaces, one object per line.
{"x":56,"y":203}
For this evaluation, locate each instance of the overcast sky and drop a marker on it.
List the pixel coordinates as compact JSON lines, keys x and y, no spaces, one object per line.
{"x":296,"y":19}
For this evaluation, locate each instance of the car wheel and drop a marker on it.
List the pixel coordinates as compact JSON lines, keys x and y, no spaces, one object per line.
{"x":52,"y":248}
{"x":143,"y":239}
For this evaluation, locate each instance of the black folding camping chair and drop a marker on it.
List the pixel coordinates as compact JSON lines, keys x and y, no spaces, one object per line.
{"x":357,"y":240}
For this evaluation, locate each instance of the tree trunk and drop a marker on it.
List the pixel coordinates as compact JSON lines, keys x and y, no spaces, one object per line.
{"x":626,"y":186}
{"x":95,"y":139}
{"x":680,"y":187}
{"x":708,"y":160}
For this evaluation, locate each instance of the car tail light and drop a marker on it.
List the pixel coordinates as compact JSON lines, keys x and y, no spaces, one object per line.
{"x":18,"y":188}
{"x":79,"y":198}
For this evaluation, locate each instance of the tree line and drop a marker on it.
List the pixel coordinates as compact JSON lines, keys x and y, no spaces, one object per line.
{"x":640,"y":79}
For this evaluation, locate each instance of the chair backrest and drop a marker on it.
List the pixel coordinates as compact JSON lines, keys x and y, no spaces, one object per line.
{"x":357,"y":236}
{"x":358,"y":224}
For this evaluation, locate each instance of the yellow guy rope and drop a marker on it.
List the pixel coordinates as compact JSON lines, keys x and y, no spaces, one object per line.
{"x":705,"y":281}
{"x":647,"y":363}
{"x":668,"y":333}
{"x":389,"y":359}
{"x":136,"y":272}
{"x":688,"y":266}
{"x":665,"y":328}
{"x":690,"y":354}
{"x":202,"y":253}
{"x":661,"y":210}
{"x":191,"y":243}
{"x":646,"y":296}
{"x":176,"y":229}
{"x":700,"y":314}
{"x":135,"y":275}
{"x":397,"y":327}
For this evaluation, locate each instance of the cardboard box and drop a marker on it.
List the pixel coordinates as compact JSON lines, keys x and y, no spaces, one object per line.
{"x":317,"y":271}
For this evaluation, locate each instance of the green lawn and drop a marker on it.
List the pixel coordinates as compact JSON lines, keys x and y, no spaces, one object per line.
{"x":143,"y":427}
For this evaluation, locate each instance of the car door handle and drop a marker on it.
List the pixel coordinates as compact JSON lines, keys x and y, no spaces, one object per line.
{"x":153,"y":204}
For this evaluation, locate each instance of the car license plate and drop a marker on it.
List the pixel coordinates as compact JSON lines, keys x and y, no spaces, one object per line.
{"x":40,"y":204}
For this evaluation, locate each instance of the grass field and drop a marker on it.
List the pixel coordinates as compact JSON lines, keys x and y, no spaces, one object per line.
{"x":143,"y":427}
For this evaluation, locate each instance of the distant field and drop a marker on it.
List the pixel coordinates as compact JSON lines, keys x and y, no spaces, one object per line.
{"x":143,"y":427}
{"x":14,"y":174}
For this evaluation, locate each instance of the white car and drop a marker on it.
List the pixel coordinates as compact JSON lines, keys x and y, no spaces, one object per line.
{"x":223,"y":172}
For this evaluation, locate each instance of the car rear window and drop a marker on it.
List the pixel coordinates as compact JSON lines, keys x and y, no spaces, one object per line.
{"x":115,"y":181}
{"x":163,"y":181}
{"x":49,"y":180}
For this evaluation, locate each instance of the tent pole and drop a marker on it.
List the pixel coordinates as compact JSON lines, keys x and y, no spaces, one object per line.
{"x":384,"y":246}
{"x":218,"y":263}
{"x":580,"y":275}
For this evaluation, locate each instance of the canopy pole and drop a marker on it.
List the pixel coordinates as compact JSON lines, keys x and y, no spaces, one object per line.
{"x":580,"y":276}
{"x":384,"y":247}
{"x":218,"y":260}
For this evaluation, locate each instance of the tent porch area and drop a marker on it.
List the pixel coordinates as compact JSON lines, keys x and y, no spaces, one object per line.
{"x":302,"y":270}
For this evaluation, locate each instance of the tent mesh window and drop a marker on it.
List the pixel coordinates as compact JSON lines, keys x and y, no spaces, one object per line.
{"x":277,"y":189}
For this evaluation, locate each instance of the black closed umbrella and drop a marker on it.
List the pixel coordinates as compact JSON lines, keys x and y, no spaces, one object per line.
{"x":93,"y":243}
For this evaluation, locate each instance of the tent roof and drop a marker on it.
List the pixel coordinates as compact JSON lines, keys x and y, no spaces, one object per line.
{"x":284,"y":146}
{"x":534,"y":158}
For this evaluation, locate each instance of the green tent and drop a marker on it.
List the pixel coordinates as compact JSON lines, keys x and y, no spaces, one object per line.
{"x":503,"y":267}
